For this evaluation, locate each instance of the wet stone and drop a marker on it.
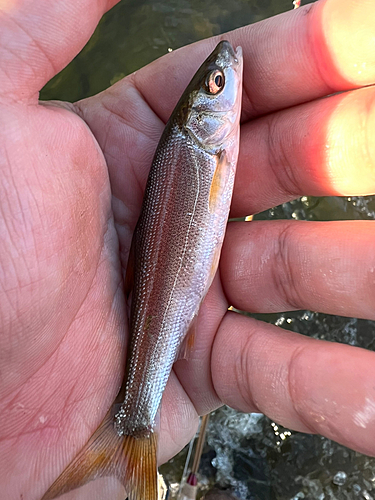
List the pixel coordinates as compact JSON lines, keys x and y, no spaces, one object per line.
{"x":339,"y":478}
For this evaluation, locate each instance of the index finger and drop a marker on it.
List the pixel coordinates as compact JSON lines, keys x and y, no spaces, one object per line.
{"x":298,"y":56}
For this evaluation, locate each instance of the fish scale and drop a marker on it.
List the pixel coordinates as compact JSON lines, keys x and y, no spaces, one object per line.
{"x":165,"y":332}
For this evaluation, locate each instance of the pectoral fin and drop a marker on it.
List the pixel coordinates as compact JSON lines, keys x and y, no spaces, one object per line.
{"x":219,"y":180}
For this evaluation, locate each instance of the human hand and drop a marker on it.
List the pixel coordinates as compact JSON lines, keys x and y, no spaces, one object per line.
{"x":72,"y":186}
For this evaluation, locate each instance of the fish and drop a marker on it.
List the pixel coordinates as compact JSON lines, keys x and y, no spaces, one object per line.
{"x":173,"y":259}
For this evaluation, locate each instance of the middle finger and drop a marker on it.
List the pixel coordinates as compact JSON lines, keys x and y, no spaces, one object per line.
{"x":276,"y":266}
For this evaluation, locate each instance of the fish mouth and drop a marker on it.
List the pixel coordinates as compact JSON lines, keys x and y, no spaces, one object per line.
{"x":227,"y":55}
{"x":238,"y":54}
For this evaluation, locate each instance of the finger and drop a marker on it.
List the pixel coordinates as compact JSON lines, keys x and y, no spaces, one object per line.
{"x":304,"y":384}
{"x":37,"y":39}
{"x":292,"y":58}
{"x":322,"y":148}
{"x":178,"y":420}
{"x":281,"y":266}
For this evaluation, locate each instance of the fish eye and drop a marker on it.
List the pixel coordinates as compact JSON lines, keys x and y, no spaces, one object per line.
{"x":215,"y":81}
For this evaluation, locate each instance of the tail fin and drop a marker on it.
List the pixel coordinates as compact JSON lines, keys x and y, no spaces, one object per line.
{"x":131,"y":460}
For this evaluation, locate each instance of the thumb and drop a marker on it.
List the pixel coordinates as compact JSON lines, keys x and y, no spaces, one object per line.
{"x":39,"y":38}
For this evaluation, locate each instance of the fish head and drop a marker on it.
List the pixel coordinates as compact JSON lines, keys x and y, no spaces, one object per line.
{"x":213,"y":99}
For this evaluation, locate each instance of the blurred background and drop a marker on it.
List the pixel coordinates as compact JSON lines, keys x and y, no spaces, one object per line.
{"x":248,"y":455}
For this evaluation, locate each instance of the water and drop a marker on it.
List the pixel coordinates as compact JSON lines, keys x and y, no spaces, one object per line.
{"x":259,"y":460}
{"x":135,"y":32}
{"x":248,"y":454}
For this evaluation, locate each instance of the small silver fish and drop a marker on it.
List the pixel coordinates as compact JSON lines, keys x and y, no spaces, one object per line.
{"x":173,"y":260}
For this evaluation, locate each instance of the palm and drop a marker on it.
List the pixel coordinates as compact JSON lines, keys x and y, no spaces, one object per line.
{"x":71,"y":358}
{"x":65,"y":257}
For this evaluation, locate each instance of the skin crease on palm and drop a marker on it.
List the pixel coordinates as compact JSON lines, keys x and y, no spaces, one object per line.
{"x":72,"y":180}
